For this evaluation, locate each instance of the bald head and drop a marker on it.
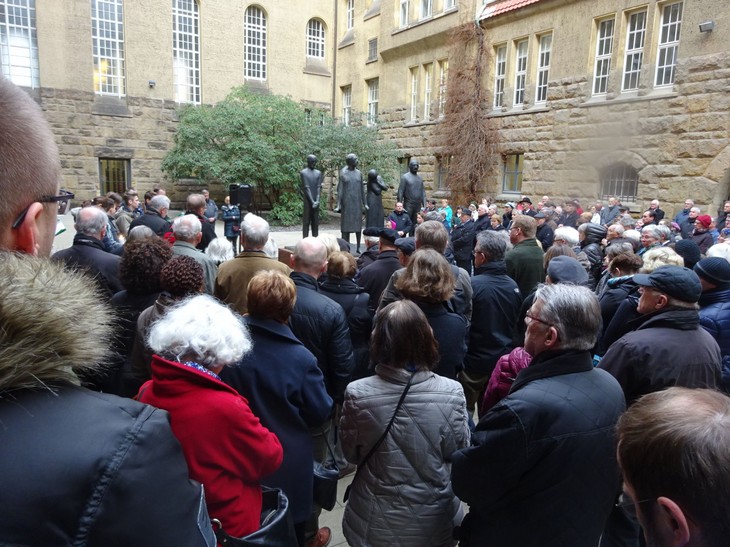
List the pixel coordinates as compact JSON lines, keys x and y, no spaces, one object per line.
{"x":29,"y":169}
{"x":310,"y":257}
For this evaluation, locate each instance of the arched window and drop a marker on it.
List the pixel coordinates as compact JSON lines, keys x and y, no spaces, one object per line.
{"x":619,"y":180}
{"x":186,"y":51}
{"x":315,"y":39}
{"x":18,"y":42}
{"x":254,"y":29}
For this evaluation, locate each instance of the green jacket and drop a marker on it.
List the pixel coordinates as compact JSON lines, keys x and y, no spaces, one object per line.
{"x":524,"y":265}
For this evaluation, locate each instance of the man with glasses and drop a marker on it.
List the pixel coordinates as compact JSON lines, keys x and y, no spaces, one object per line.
{"x":545,"y":454}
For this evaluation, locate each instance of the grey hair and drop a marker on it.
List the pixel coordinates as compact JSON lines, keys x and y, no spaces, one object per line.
{"x":660,"y":256}
{"x":627,"y":221}
{"x":696,"y":210}
{"x":633,"y":235}
{"x":615,"y":249}
{"x":664,"y":231}
{"x":720,"y":249}
{"x":90,"y":221}
{"x":160,"y":201}
{"x":372,"y":239}
{"x":220,"y":250}
{"x":618,"y":228}
{"x":567,"y":234}
{"x":432,"y":215}
{"x":310,"y":254}
{"x":574,"y":311}
{"x":653,"y":230}
{"x":491,"y":244}
{"x":255,"y":231}
{"x":200,"y":329}
{"x":140,"y":232}
{"x":186,"y":227}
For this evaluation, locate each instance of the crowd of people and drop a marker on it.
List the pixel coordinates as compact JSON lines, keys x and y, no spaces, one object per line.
{"x":154,"y":377}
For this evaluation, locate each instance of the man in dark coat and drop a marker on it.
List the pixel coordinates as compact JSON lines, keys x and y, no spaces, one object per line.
{"x":154,"y":216}
{"x":525,"y":260}
{"x":195,"y":205}
{"x":374,"y":278}
{"x":87,"y":252}
{"x":370,"y":254}
{"x":714,"y":274}
{"x":402,"y":221}
{"x":544,"y":233}
{"x":547,"y":450}
{"x":484,"y":219}
{"x":495,"y":308}
{"x":462,"y":240}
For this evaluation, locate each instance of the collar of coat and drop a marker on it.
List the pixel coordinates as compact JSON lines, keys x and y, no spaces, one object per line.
{"x":554,"y":363}
{"x":715,"y":296}
{"x":497,"y":267}
{"x":271,"y":327}
{"x":304,"y":280}
{"x":397,"y":375}
{"x":670,"y":318}
{"x":89,"y":241}
{"x":167,"y":372}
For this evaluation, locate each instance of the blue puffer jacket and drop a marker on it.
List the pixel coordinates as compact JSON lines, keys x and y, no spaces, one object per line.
{"x":715,"y":319}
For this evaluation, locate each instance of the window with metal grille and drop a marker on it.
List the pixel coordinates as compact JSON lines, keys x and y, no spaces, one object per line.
{"x":107,"y":38}
{"x":499,"y":75}
{"x":668,"y":44}
{"x":114,"y":175}
{"x":315,"y":39}
{"x":604,"y":48}
{"x":254,"y":43}
{"x":512,"y":173}
{"x":186,"y":51}
{"x":19,"y":42}
{"x":520,"y":72}
{"x":634,"y":51}
{"x":619,"y":180}
{"x":543,"y":68}
{"x":373,"y":98}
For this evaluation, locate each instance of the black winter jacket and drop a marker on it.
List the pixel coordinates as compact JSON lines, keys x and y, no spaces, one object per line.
{"x":86,"y":468}
{"x":462,"y":240}
{"x":321,"y":325}
{"x":545,"y":452}
{"x":715,"y":319}
{"x":153,"y":220}
{"x":88,"y":254}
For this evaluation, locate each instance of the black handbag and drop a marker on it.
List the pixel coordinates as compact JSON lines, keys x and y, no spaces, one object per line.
{"x":326,"y":477}
{"x":381,"y":439}
{"x":277,"y":526}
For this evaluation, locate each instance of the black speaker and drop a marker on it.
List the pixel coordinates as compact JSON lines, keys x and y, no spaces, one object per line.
{"x":241,"y":195}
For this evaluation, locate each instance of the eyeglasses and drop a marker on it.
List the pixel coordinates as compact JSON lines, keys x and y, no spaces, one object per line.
{"x":63,"y":199}
{"x":530,"y":318}
{"x":625,"y":502}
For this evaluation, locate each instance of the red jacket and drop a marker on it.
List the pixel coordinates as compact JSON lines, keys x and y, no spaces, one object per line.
{"x":503,"y":376}
{"x":225,"y":445}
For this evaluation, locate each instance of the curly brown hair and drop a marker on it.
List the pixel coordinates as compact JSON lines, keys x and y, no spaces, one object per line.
{"x":142,"y":261}
{"x":182,"y":276}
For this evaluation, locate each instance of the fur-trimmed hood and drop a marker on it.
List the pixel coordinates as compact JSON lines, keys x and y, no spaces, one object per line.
{"x":53,"y":323}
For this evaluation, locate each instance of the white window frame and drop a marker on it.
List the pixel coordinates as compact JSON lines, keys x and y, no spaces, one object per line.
{"x":404,"y":9}
{"x":520,"y":72}
{"x":449,"y":4}
{"x":426,"y":9}
{"x":19,"y":43}
{"x":254,"y":42}
{"x":414,"y":94}
{"x":346,"y":104}
{"x":500,"y":72}
{"x":373,"y":99}
{"x":443,"y":86}
{"x":107,"y":43}
{"x":604,"y":50}
{"x":315,"y":39}
{"x":427,"y":90}
{"x":186,"y":51}
{"x":543,"y":68}
{"x":666,"y":59}
{"x":634,"y":58}
{"x":350,"y":15}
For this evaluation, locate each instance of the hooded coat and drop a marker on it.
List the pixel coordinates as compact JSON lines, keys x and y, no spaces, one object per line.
{"x":80,"y":467}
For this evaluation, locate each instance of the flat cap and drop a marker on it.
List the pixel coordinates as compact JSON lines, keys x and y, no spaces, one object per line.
{"x":675,"y":281}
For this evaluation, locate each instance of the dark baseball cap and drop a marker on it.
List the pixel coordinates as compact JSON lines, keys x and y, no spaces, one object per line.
{"x":406,"y":244}
{"x":675,"y":281}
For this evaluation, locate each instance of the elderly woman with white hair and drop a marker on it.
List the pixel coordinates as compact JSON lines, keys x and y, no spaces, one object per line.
{"x":225,"y":445}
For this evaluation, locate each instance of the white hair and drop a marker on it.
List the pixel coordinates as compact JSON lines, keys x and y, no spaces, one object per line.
{"x":160,"y":201}
{"x":567,"y":234}
{"x":186,"y":227}
{"x":200,"y":329}
{"x":220,"y":250}
{"x":721,"y":250}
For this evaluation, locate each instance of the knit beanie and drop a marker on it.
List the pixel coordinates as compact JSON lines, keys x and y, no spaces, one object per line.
{"x":689,"y":251}
{"x":715,"y":270}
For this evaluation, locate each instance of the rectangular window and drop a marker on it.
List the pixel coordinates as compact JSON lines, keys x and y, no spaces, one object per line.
{"x":449,"y":4}
{"x":404,"y":7}
{"x":186,"y":51}
{"x":254,"y":29}
{"x":426,"y":8}
{"x":668,"y":44}
{"x":512,"y":173}
{"x":350,"y":14}
{"x":520,"y":73}
{"x":604,"y":48}
{"x":107,"y":34}
{"x":373,"y":49}
{"x":19,"y":43}
{"x":373,"y":97}
{"x":543,"y":68}
{"x":414,"y":94}
{"x":114,"y":175}
{"x":500,"y":68}
{"x":634,"y":50}
{"x":443,"y":80}
{"x":442,"y":174}
{"x":346,"y":104}
{"x":428,"y":77}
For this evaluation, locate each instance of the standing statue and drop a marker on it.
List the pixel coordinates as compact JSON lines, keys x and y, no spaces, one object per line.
{"x":411,"y":192}
{"x":311,"y":187}
{"x":351,"y":200}
{"x":375,"y":215}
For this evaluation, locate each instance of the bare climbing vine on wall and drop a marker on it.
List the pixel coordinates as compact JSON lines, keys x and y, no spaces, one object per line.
{"x":465,"y":135}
